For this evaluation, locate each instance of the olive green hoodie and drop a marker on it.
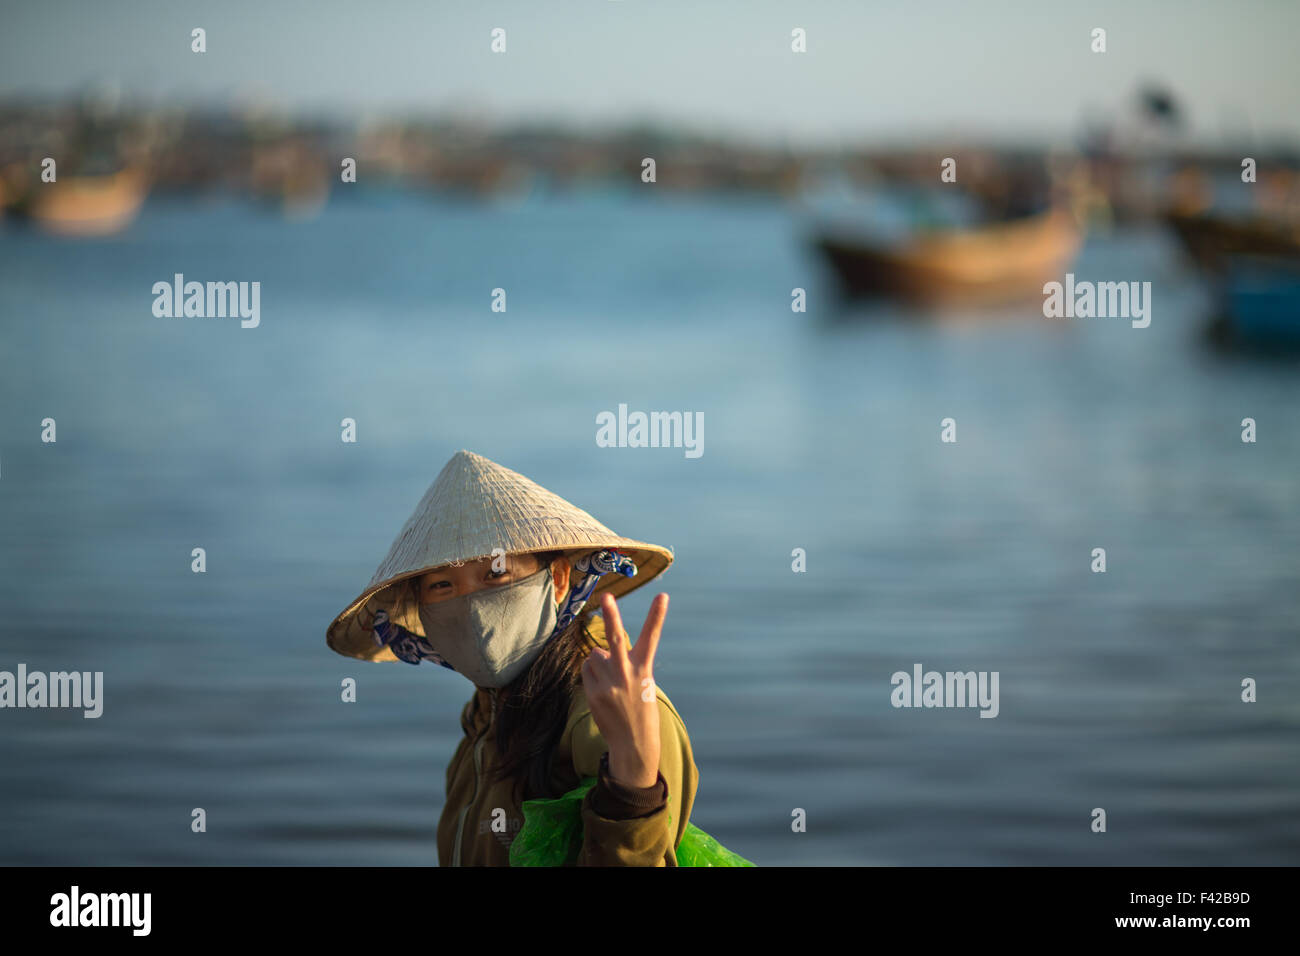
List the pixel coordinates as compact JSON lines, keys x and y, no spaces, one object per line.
{"x":622,"y":826}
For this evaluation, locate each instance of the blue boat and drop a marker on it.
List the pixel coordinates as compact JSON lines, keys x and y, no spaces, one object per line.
{"x":1262,"y":299}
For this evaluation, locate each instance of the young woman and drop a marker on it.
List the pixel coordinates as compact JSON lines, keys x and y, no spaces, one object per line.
{"x":494,"y":577}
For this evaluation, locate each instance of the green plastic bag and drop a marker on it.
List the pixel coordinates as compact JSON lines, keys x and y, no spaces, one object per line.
{"x":552,"y":836}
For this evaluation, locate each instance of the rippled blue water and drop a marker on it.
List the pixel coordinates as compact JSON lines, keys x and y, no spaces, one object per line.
{"x":1118,"y":690}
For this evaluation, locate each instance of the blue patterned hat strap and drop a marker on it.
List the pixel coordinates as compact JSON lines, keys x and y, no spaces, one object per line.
{"x":406,"y":646}
{"x":587,"y":572}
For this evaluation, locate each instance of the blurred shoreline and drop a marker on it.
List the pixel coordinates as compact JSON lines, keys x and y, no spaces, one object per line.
{"x":295,"y":161}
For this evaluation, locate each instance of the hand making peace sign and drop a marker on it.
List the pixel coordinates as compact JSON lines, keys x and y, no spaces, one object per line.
{"x":621,"y":692}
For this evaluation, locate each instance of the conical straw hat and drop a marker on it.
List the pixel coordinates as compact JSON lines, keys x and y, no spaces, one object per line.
{"x":473,"y":507}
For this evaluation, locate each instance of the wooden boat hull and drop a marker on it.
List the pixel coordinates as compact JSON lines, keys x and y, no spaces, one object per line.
{"x":1211,"y":240}
{"x":86,"y":205}
{"x":999,"y":262}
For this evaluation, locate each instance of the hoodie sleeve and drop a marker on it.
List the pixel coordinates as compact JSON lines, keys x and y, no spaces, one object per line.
{"x":632,"y":826}
{"x":618,"y":801}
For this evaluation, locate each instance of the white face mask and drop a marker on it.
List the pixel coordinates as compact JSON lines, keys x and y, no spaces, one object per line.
{"x":492,"y":635}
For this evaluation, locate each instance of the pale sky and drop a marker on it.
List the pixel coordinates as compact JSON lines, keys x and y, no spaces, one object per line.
{"x":998,"y":69}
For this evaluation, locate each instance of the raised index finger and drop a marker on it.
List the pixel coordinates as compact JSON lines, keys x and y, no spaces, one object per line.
{"x":648,"y":642}
{"x":613,"y":626}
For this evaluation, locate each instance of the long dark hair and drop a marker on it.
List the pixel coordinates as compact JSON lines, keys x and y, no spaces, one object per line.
{"x":532,"y":710}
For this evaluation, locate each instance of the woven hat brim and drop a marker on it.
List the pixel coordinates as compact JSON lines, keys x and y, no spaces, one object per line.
{"x":651,"y":561}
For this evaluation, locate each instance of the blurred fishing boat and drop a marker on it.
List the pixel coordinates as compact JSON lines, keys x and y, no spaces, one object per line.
{"x":1261,"y":303}
{"x":290,"y":178}
{"x":1211,"y":239}
{"x":302,"y":195}
{"x":85,"y":205}
{"x":989,"y":262}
